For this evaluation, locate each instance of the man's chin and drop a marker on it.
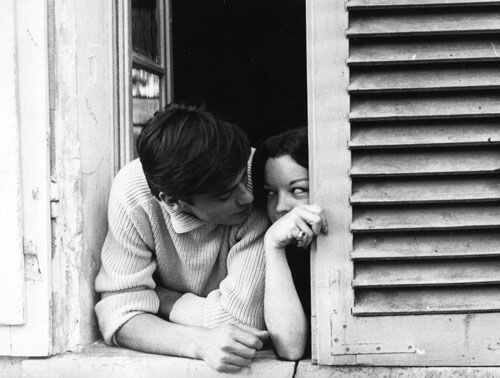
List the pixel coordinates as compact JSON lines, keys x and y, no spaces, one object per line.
{"x":240,"y":217}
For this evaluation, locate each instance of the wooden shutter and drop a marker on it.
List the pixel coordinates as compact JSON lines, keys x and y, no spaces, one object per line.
{"x":417,"y":281}
{"x":12,"y":261}
{"x":25,"y":224}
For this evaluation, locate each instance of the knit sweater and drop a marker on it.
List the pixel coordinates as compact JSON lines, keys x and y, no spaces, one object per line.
{"x":219,"y":269}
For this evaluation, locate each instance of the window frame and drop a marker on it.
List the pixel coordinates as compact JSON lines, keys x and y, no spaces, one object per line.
{"x":127,"y":59}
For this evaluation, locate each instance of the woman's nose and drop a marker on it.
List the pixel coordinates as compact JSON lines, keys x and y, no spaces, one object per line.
{"x":284,"y":205}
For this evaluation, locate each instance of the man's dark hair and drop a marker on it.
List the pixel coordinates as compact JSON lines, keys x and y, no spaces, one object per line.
{"x":186,"y":151}
{"x":292,"y":142}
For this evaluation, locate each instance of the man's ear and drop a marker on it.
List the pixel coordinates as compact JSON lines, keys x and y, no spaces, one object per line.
{"x":174,"y":203}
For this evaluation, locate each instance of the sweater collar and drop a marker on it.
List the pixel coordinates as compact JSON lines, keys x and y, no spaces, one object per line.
{"x":182,"y":222}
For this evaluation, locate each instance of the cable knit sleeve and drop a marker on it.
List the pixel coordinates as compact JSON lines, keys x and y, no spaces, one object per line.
{"x":240,"y":296}
{"x":125,"y":279}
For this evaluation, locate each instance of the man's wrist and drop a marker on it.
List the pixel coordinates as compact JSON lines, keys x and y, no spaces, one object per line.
{"x":195,"y":336}
{"x":167,"y":300}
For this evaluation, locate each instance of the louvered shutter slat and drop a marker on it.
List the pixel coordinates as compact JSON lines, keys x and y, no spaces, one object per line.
{"x":437,"y":217}
{"x":367,"y":108}
{"x":425,"y":134}
{"x":411,"y":191}
{"x":409,"y":4}
{"x":467,"y":50}
{"x":426,"y":273}
{"x":411,"y":163}
{"x":431,"y":245}
{"x":397,"y":25}
{"x":417,"y":301}
{"x":399,"y":80}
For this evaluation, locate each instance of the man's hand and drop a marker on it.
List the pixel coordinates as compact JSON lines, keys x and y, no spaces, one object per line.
{"x":230,"y":348}
{"x":167,"y":300}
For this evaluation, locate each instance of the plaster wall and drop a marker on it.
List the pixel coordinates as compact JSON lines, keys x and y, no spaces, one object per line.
{"x":97,"y":153}
{"x":82,"y":120}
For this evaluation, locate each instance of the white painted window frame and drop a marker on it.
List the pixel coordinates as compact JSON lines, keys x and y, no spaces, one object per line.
{"x":128,"y":59}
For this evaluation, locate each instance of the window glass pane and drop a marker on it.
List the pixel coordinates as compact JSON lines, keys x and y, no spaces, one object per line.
{"x":145,"y":28}
{"x":145,"y":98}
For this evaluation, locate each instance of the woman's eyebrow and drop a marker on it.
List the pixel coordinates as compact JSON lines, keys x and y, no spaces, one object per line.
{"x":298,"y":180}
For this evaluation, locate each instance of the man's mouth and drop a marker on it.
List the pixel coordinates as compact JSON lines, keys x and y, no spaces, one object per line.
{"x":243,"y":211}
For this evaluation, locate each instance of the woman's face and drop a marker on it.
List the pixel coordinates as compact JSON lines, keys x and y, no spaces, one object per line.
{"x":286,"y":184}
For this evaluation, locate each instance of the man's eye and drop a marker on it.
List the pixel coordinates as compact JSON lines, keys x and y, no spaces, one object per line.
{"x":269,"y":193}
{"x":224,"y":198}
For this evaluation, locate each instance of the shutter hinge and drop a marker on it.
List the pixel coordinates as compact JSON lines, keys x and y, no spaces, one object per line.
{"x":32,"y":270}
{"x":374,"y":348}
{"x":54,"y":199}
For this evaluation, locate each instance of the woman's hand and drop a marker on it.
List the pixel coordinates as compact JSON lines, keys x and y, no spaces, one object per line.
{"x":285,"y":318}
{"x":300,"y":226}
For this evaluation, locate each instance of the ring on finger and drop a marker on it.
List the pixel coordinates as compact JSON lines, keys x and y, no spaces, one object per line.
{"x":301,"y":234}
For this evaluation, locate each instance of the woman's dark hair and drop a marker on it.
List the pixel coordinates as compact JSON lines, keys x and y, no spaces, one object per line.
{"x":186,"y":151}
{"x":292,"y":142}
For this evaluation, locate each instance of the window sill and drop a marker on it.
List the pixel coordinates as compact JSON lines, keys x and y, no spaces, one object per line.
{"x":100,"y":360}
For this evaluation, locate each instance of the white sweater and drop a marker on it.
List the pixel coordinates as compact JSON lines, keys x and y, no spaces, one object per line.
{"x":220,"y":269}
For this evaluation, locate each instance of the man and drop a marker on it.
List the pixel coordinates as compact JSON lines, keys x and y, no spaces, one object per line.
{"x":182,"y":218}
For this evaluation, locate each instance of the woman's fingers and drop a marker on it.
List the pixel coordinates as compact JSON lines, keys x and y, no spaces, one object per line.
{"x":319,"y":211}
{"x":300,"y":225}
{"x":303,"y":233}
{"x":315,"y":221}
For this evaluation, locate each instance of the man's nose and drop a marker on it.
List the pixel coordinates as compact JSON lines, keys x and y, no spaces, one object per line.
{"x":245,"y":197}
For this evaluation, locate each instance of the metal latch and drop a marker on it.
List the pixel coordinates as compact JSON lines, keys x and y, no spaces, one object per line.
{"x":54,"y":199}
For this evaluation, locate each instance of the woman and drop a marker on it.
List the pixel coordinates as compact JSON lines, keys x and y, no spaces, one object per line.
{"x":282,"y":186}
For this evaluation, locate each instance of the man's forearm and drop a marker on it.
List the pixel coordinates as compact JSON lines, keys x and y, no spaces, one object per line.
{"x":149,"y":333}
{"x":226,"y":348}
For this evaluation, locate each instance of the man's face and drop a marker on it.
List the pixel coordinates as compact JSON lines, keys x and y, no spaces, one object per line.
{"x":231,"y":207}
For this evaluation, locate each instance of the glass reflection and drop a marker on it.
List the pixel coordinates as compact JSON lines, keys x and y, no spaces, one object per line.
{"x":145,"y":98}
{"x":145,"y":28}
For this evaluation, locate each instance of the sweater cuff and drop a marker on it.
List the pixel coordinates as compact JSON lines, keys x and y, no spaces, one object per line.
{"x":188,"y":310}
{"x":114,"y":310}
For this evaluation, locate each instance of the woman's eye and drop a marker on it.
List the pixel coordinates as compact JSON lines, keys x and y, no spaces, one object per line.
{"x":299,"y":191}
